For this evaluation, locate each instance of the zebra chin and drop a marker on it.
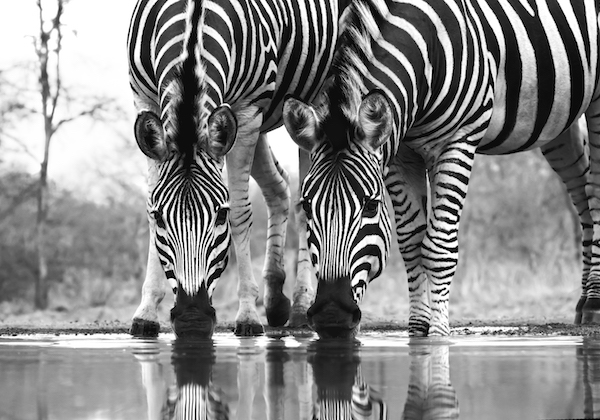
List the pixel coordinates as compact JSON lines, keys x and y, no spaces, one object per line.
{"x":193,"y":316}
{"x":334,"y":314}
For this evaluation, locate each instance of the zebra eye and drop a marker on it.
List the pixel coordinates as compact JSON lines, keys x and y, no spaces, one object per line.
{"x":306,"y":207}
{"x":221,"y":215}
{"x":370,"y":208}
{"x":159,"y":219}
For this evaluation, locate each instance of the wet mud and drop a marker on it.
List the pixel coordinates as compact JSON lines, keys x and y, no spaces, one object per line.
{"x":492,"y":328}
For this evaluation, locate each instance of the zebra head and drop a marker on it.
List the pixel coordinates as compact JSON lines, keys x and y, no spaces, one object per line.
{"x":343,"y":197}
{"x":188,"y":211}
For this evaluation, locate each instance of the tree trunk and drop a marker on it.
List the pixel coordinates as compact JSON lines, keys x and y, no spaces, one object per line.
{"x":41,"y":286}
{"x":49,"y":101}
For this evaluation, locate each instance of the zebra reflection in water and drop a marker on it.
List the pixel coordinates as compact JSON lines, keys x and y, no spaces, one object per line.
{"x":194,"y":395}
{"x":342,"y":391}
{"x":430,"y":392}
{"x":589,"y":356}
{"x":320,"y":381}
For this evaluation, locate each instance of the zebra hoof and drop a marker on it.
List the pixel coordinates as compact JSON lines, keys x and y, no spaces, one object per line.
{"x":278,"y":311}
{"x":298,"y":319}
{"x":418,"y":330}
{"x":591,"y":311}
{"x":143,"y":328}
{"x":579,"y":310}
{"x":248,"y":330}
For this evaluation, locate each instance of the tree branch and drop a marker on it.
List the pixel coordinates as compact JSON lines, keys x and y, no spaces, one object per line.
{"x":19,"y":142}
{"x":57,"y":28}
{"x":91,"y":112}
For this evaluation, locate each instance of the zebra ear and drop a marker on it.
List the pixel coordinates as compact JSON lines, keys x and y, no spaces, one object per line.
{"x":374,"y":120}
{"x":301,"y":122}
{"x":150,"y":136}
{"x":222,"y":131}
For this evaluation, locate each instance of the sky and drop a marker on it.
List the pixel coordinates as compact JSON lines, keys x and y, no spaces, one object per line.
{"x":94,"y":62}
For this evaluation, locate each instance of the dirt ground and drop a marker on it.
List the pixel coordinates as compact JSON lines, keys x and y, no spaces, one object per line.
{"x":504,"y":327}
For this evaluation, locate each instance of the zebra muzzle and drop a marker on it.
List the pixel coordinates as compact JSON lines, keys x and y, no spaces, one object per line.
{"x":334,"y":313}
{"x":193,"y":316}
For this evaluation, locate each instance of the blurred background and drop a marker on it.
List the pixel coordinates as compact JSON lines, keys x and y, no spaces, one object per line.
{"x":73,"y":229}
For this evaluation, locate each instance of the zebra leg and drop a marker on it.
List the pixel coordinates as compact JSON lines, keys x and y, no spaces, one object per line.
{"x":145,"y":319}
{"x":406,"y":182}
{"x":449,"y":181}
{"x":239,"y":164}
{"x":591,"y":308}
{"x":274,"y":183}
{"x":569,"y":158}
{"x":303,"y":289}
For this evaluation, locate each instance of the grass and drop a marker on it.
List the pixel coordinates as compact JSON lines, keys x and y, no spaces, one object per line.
{"x":483,"y":291}
{"x":518,"y":260}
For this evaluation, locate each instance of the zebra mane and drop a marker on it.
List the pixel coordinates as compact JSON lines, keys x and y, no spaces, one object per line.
{"x":188,"y":86}
{"x":346,"y":86}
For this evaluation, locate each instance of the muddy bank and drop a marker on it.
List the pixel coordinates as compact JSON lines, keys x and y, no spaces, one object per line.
{"x":511,"y":328}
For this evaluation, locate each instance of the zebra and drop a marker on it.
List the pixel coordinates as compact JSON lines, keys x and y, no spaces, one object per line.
{"x":203,"y":73}
{"x":417,"y":88}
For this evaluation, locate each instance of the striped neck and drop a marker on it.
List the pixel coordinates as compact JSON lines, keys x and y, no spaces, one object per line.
{"x":368,"y":58}
{"x":193,"y":92}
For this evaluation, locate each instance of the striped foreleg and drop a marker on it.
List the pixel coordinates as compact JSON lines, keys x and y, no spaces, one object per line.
{"x":591,"y":308}
{"x":239,"y":164}
{"x":568,"y":155}
{"x":407,"y":185}
{"x":449,"y":178}
{"x":145,"y":319}
{"x":274,"y":183}
{"x":303,"y":287}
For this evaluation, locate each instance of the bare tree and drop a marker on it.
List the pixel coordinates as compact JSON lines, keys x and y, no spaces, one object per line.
{"x":48,"y":47}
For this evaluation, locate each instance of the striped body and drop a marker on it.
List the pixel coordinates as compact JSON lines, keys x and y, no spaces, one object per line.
{"x":204,"y":73}
{"x":254,"y":52}
{"x":423,"y":86}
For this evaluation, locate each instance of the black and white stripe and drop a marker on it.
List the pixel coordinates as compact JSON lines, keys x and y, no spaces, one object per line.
{"x":449,"y":80}
{"x":204,"y":72}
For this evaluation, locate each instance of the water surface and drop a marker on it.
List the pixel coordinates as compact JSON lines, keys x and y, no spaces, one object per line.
{"x":376,"y":377}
